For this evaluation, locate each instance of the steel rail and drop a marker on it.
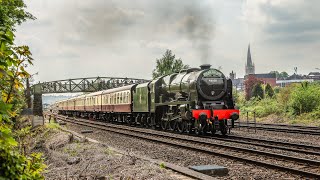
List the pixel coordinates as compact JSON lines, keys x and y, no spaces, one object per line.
{"x":243,"y":141}
{"x":159,"y":138}
{"x":277,"y":129}
{"x":285,"y":125}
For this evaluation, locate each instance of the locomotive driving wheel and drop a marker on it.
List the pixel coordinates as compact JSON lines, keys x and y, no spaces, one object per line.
{"x":172,"y":125}
{"x":164,"y":122}
{"x":180,"y":125}
{"x":198,"y":128}
{"x":212,"y":129}
{"x":223,"y":127}
{"x":183,"y":126}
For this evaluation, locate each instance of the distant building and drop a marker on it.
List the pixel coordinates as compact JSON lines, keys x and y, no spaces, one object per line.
{"x":284,"y":83}
{"x":268,"y":78}
{"x":297,"y":78}
{"x":237,"y":82}
{"x":250,"y":68}
{"x":314,"y":75}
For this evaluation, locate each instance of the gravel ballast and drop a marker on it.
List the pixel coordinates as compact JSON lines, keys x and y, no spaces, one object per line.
{"x":182,"y":157}
{"x":68,"y":157}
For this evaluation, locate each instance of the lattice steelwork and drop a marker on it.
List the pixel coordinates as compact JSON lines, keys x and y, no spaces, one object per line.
{"x":91,"y":84}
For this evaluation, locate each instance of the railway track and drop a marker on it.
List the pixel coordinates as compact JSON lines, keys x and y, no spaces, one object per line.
{"x":287,"y":126}
{"x":298,"y":148}
{"x":300,"y":166}
{"x":311,"y":130}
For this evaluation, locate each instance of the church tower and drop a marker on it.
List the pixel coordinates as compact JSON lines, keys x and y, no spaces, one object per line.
{"x":249,"y":64}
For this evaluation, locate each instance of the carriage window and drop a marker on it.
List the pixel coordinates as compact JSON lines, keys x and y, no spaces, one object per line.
{"x":128,"y":97}
{"x":112,"y":99}
{"x":121,"y":98}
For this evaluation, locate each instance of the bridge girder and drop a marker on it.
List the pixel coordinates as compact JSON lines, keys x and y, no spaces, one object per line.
{"x":91,"y":84}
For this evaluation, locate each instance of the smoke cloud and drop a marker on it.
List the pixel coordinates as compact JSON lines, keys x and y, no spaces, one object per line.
{"x":115,"y":23}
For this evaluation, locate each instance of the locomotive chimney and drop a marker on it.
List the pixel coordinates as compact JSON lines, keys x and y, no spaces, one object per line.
{"x":205,"y":66}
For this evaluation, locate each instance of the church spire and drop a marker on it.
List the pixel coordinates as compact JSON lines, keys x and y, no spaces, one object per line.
{"x":249,"y":61}
{"x":250,"y":69}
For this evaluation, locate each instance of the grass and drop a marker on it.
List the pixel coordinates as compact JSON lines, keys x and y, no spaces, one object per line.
{"x":71,"y":152}
{"x":109,"y":151}
{"x":52,"y":125}
{"x":162,"y":165}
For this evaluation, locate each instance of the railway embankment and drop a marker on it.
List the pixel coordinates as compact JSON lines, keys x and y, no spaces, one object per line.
{"x":72,"y":157}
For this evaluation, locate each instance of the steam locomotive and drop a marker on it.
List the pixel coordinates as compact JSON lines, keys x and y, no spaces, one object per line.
{"x":195,"y":100}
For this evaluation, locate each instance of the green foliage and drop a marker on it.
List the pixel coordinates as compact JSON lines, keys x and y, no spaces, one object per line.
{"x":269,"y":91}
{"x":262,"y":107}
{"x":305,"y":99}
{"x":168,"y":64}
{"x":298,"y":102}
{"x":52,"y":125}
{"x":162,"y":165}
{"x":257,"y":91}
{"x":249,"y":83}
{"x":12,"y":12}
{"x":13,"y":61}
{"x":282,"y":75}
{"x":16,"y":166}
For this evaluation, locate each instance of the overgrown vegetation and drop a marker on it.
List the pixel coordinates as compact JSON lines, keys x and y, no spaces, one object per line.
{"x":298,"y":103}
{"x":15,"y":163}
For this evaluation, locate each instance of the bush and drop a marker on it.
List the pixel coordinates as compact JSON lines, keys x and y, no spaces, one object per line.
{"x":298,"y":102}
{"x":305,"y":99}
{"x":262,"y":107}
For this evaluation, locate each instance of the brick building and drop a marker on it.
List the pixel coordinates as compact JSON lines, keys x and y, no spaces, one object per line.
{"x":269,"y":78}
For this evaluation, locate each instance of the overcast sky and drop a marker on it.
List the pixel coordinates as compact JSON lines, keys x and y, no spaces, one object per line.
{"x":72,"y":39}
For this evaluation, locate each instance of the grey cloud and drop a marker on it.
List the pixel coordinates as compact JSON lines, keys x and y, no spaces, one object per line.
{"x":300,"y":38}
{"x":296,"y":22}
{"x":105,"y":22}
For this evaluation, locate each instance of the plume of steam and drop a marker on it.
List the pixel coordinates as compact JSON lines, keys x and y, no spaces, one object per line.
{"x":110,"y":22}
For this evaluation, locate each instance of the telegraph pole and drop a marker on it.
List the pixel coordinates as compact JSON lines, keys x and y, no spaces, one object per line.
{"x":28,"y":90}
{"x":28,"y":93}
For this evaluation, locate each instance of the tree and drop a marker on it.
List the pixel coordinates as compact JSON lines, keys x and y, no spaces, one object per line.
{"x":257,"y":91}
{"x":249,"y":84}
{"x":13,"y":60}
{"x":168,"y":64}
{"x":284,"y":75}
{"x":269,"y":91}
{"x":275,"y":72}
